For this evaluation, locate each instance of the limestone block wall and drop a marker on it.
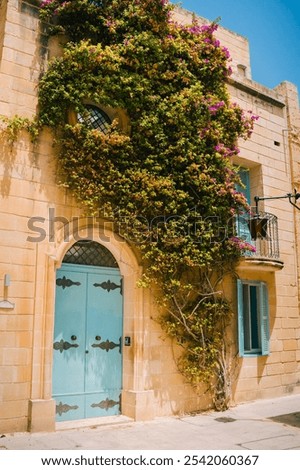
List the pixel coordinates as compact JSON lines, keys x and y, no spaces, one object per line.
{"x":19,"y":178}
{"x":28,"y":188}
{"x":269,"y":157}
{"x":3,"y":5}
{"x":293,"y":142}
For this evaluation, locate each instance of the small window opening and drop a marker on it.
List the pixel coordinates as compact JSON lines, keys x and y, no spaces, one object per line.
{"x":276,"y":143}
{"x":94,"y":118}
{"x":90,"y":253}
{"x":242,"y":70}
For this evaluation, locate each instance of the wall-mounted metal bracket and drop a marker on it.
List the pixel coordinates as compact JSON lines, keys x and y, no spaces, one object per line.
{"x":292,"y":197}
{"x":5,"y":303}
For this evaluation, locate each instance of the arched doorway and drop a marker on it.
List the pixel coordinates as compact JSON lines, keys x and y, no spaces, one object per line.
{"x":87,"y":346}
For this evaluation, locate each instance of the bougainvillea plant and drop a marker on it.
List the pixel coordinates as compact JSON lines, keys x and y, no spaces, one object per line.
{"x":168,"y":184}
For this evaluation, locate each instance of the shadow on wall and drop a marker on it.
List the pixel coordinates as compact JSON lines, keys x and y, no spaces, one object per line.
{"x":17,"y":158}
{"x":7,"y":160}
{"x":173,"y":394}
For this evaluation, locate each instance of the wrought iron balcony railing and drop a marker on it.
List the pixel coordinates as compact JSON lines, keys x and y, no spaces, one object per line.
{"x":260,"y":231}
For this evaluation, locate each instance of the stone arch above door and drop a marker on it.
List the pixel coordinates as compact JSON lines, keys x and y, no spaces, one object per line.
{"x":136,"y":315}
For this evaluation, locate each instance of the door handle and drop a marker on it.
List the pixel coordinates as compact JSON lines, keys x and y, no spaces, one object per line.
{"x":97,"y":338}
{"x":73,"y":338}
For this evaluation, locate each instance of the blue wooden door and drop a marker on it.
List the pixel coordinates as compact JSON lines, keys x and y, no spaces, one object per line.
{"x":87,"y":364}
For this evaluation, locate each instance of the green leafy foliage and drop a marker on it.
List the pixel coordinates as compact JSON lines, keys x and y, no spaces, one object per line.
{"x":13,"y":126}
{"x":168,"y":184}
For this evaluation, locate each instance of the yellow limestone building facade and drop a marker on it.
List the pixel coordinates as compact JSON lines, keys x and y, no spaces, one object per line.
{"x":30,"y":198}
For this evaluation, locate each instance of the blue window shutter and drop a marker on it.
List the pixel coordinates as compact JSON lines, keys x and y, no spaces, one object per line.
{"x":240,"y":317}
{"x":243,"y":230}
{"x":264,"y":316}
{"x":245,"y":179}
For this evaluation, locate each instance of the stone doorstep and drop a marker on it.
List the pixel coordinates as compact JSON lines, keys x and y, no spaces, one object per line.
{"x":93,"y":422}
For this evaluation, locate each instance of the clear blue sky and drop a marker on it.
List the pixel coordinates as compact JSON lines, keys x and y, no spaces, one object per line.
{"x":272,"y":28}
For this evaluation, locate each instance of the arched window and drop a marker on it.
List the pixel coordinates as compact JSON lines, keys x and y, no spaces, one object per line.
{"x":90,"y":253}
{"x":95,"y":118}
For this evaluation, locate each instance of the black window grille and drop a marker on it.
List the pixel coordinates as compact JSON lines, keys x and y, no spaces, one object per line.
{"x":94,"y":118}
{"x":90,"y":253}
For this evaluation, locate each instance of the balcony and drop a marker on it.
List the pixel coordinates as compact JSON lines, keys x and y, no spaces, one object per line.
{"x":260,"y":231}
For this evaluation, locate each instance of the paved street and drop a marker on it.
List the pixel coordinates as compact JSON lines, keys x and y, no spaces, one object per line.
{"x":261,"y":425}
